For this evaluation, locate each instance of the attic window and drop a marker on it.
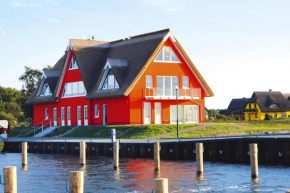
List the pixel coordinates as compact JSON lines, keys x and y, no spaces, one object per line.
{"x":110,"y":81}
{"x":45,"y":90}
{"x":274,"y":105}
{"x":167,"y":55}
{"x":73,"y":64}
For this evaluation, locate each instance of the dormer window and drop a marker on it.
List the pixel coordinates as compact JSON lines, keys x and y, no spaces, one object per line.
{"x":45,"y":90}
{"x":274,"y":106}
{"x":73,"y":64}
{"x":167,"y":55}
{"x":110,"y":81}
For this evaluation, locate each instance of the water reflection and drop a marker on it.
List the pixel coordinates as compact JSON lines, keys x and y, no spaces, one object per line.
{"x":49,"y":173}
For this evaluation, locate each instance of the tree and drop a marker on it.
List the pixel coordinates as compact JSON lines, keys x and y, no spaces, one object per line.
{"x":46,"y":68}
{"x":30,"y":79}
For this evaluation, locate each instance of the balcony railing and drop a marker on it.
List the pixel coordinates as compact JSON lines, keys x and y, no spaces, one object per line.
{"x":251,"y":110}
{"x":160,"y":93}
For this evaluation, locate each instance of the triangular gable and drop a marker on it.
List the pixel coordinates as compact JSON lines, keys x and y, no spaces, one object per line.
{"x":108,"y":80}
{"x":208,"y":91}
{"x":44,"y":89}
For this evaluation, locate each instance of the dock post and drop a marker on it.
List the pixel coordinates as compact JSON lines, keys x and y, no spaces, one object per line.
{"x":199,"y":158}
{"x":156,"y":156}
{"x":76,"y":184}
{"x":254,"y":159}
{"x":10,"y":179}
{"x":82,"y":152}
{"x":24,"y":153}
{"x":116,"y":155}
{"x":161,"y":185}
{"x":288,"y":191}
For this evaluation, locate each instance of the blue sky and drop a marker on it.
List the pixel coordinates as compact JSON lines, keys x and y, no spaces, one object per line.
{"x":238,"y":46}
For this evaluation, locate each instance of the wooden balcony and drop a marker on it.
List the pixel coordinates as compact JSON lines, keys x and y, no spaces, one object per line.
{"x":165,"y":94}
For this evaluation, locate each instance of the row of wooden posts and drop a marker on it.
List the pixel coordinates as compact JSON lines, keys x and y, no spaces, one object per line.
{"x":77,"y":177}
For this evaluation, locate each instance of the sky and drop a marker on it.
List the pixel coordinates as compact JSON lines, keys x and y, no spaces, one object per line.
{"x":238,"y":46}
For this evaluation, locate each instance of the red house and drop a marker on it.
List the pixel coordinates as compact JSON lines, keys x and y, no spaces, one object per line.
{"x":134,"y":80}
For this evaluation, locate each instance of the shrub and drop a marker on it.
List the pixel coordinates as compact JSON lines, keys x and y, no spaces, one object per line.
{"x":268,"y":117}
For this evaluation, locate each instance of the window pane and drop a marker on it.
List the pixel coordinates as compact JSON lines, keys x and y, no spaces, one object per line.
{"x":173,"y":56}
{"x":68,"y":113}
{"x":185,"y":82}
{"x":166,"y":53}
{"x":159,"y":86}
{"x":116,"y":84}
{"x":174,"y":83}
{"x":110,"y":81}
{"x":149,"y":83}
{"x":105,"y":86}
{"x":75,"y":88}
{"x":160,"y":56}
{"x":96,"y":110}
{"x":167,"y":88}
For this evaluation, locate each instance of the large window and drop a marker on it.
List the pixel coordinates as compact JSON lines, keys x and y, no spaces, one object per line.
{"x":149,"y":82}
{"x":185,"y":82}
{"x":96,"y":111}
{"x":166,"y":85}
{"x":167,"y":55}
{"x":73,"y":64}
{"x":74,"y":89}
{"x":45,"y":91}
{"x":110,"y":81}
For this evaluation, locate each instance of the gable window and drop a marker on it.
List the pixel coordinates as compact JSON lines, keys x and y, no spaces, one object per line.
{"x":110,"y":81}
{"x":185,"y":82}
{"x":149,"y":82}
{"x":96,"y":111}
{"x":46,"y":113}
{"x":167,"y":55}
{"x":73,"y":89}
{"x":45,"y":91}
{"x":73,"y":64}
{"x":274,"y":105}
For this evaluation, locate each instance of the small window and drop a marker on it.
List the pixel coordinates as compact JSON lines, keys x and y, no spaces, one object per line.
{"x":283,"y":115}
{"x":185,"y":82}
{"x":110,"y":81}
{"x":45,"y":91}
{"x":275,"y":115}
{"x":255,"y":106}
{"x":96,"y":110}
{"x":73,"y":64}
{"x":167,"y":54}
{"x":46,"y":113}
{"x":149,"y":82}
{"x":250,"y":106}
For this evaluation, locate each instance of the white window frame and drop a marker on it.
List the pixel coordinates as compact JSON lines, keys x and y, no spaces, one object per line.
{"x":73,"y":64}
{"x":148,"y":81}
{"x":46,"y":113}
{"x":97,"y":113}
{"x":172,"y":87}
{"x":170,"y":56}
{"x":73,"y":93}
{"x":183,"y":82}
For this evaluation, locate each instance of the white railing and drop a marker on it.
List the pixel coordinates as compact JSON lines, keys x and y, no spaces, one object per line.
{"x":160,"y":93}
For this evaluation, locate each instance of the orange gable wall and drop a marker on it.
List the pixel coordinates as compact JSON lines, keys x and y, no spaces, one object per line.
{"x":137,"y":96}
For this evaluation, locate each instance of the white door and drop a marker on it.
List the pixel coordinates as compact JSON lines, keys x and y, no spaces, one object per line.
{"x":55,"y":117}
{"x":147,"y":113}
{"x":68,"y":116}
{"x":86,"y":115}
{"x":79,"y":115}
{"x":105,"y":115}
{"x":158,"y":119}
{"x":62,"y":116}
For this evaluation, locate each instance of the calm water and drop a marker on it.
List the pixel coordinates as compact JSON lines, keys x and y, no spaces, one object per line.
{"x":49,"y":173}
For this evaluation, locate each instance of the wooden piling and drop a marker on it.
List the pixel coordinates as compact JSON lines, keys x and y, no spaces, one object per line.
{"x":254,"y":159}
{"x":24,"y":153}
{"x":161,"y":185}
{"x":76,"y":184}
{"x":156,"y":156}
{"x":10,"y":179}
{"x":83,"y":153}
{"x":288,"y":191}
{"x":199,"y":158}
{"x":116,"y":155}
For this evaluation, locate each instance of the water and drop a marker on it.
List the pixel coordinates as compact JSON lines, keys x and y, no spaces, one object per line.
{"x":49,"y":173}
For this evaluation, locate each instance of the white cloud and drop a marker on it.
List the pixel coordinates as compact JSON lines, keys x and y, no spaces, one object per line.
{"x":168,"y":5}
{"x":23,"y":3}
{"x":2,"y":31}
{"x":53,"y":20}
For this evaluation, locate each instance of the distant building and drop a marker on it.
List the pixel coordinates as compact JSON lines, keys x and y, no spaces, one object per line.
{"x":271,"y":103}
{"x":236,"y":109}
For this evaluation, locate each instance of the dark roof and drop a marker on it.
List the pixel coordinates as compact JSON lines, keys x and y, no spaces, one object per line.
{"x":266,"y":99}
{"x":237,"y":106}
{"x":127,"y":58}
{"x":222,"y":112}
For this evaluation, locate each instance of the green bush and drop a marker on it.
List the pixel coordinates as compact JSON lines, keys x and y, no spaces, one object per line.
{"x":268,"y":117}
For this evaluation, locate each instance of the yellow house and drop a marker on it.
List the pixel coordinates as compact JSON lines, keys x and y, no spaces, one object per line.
{"x":271,"y":103}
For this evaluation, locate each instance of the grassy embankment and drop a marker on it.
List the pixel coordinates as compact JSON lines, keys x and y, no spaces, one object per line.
{"x":146,"y":131}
